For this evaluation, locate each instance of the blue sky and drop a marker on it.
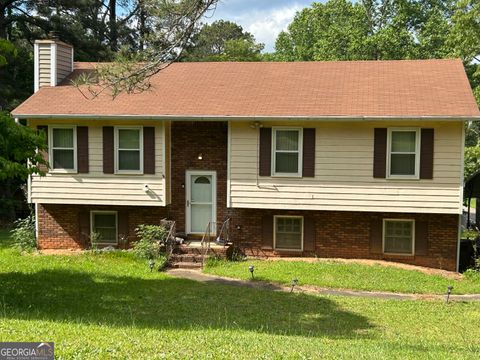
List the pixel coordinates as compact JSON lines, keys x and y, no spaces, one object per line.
{"x":263,"y":18}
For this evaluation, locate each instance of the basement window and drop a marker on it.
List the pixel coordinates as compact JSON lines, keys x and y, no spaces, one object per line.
{"x":104,"y":223}
{"x":398,"y":236}
{"x":63,"y":145}
{"x":288,"y":232}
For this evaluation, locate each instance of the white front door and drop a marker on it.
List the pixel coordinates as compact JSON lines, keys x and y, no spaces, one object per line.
{"x":201,"y":200}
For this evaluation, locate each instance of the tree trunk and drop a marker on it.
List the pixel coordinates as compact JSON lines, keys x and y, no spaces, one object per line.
{"x":113,"y":25}
{"x":3,"y":25}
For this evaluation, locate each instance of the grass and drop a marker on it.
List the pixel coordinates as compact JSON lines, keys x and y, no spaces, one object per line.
{"x":109,"y":305}
{"x":332,"y":274}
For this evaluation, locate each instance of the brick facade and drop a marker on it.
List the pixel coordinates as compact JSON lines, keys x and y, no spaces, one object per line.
{"x":59,"y":226}
{"x":188,"y":140}
{"x":347,"y":235}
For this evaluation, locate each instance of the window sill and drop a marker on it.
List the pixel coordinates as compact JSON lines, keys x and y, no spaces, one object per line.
{"x":120,"y":172}
{"x":62,"y":171}
{"x":402,"y":177}
{"x":398,"y":255}
{"x":295,"y":176}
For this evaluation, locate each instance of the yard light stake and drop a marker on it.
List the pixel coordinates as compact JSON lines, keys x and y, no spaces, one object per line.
{"x":151,"y":264}
{"x":251,"y":268}
{"x":449,"y":291}
{"x":294,"y":283}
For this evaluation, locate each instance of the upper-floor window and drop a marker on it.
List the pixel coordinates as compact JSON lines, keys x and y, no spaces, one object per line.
{"x":63,"y":148}
{"x":287,"y":152}
{"x":403,"y":156}
{"x":129,"y":150}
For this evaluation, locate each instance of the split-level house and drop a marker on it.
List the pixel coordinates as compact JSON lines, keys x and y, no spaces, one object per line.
{"x":356,"y":159}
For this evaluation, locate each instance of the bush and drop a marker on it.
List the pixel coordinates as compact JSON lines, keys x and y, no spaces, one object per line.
{"x":152,"y":239}
{"x":23,"y":234}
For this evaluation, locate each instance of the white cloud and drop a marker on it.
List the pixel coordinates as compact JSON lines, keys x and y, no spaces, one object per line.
{"x":265,"y":19}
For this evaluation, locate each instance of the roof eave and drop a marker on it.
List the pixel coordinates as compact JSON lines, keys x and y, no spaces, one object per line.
{"x":249,"y":118}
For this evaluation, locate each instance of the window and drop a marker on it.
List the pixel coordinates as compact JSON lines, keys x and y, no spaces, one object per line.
{"x":288,"y":232}
{"x":287,"y":154}
{"x":104,"y":223}
{"x":63,"y":148}
{"x":398,"y":236}
{"x":129,"y":154}
{"x":403,"y":157}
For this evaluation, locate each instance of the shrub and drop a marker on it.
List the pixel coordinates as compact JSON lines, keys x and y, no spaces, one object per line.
{"x":23,"y":234}
{"x":152,"y":239}
{"x":95,"y":238}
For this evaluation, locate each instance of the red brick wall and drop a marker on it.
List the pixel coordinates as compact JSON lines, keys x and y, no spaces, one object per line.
{"x":59,"y":225}
{"x":188,"y":140}
{"x":347,"y":235}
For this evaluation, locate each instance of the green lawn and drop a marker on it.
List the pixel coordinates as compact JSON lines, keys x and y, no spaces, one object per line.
{"x":110,"y":306}
{"x":345,"y":276}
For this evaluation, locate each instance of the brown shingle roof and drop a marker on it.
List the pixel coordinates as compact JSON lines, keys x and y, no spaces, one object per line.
{"x":407,"y":88}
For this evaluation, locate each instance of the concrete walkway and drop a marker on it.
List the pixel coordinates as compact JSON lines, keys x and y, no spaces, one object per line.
{"x":197,"y":275}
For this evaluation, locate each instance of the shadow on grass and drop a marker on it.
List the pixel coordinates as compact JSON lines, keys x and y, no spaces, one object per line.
{"x":170,"y":303}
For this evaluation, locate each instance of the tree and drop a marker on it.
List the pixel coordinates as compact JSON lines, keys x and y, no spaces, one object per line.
{"x":222,"y":41}
{"x":18,"y":149}
{"x":367,"y":30}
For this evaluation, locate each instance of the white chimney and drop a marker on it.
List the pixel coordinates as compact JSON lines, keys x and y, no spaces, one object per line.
{"x":53,"y":61}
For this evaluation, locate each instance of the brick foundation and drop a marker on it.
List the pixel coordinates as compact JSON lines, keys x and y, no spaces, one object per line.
{"x":59,"y":225}
{"x":347,"y":235}
{"x":338,"y":234}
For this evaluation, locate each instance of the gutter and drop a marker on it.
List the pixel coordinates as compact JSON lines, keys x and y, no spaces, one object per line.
{"x":244,"y":118}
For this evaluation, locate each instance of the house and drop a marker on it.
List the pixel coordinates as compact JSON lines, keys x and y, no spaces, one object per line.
{"x":356,"y":159}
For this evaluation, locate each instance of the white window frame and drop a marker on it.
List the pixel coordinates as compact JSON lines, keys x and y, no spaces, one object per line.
{"x":299,"y":151}
{"x":116,"y":145}
{"x":275,"y":217}
{"x":415,"y":176}
{"x":51,"y":148}
{"x":106,"y":212}
{"x":413,"y":237}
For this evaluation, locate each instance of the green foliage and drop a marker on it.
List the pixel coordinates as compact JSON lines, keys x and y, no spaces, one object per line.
{"x":23,"y":234}
{"x":151,"y":241}
{"x":344,"y":30}
{"x":472,"y":160}
{"x":222,"y":41}
{"x":18,"y":146}
{"x":95,"y":239}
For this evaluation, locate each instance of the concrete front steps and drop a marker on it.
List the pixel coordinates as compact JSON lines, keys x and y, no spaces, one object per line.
{"x":189,"y":255}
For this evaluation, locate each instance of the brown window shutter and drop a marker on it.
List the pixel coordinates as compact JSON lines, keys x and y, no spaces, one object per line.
{"x":44,"y":153}
{"x":309,"y":234}
{"x":84,"y":227}
{"x":108,"y":150}
{"x":426,"y":154}
{"x":267,"y":232}
{"x":308,"y":153}
{"x":421,"y":238}
{"x":265,"y":158}
{"x":122,"y":220}
{"x":380,"y":153}
{"x":149,"y":150}
{"x":82,"y":149}
{"x":376,"y":236}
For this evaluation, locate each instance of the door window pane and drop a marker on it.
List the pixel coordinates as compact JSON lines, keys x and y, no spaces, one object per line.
{"x":398,"y":237}
{"x":288,"y":233}
{"x":201,"y":189}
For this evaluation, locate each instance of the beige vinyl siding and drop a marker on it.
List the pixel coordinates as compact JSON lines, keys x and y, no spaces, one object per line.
{"x":344,"y":172}
{"x":44,"y":70}
{"x":64,"y":62}
{"x":97,"y":188}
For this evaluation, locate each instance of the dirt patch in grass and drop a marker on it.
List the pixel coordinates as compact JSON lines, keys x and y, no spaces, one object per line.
{"x":429,"y":271}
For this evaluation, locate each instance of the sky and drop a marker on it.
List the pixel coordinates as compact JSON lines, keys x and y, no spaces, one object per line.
{"x":263,"y":18}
